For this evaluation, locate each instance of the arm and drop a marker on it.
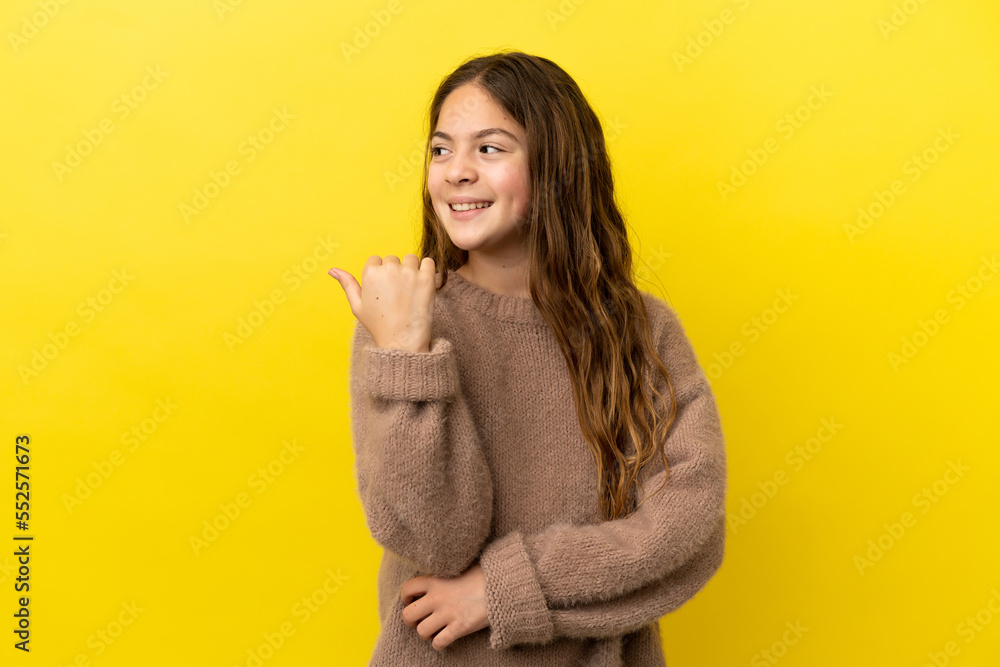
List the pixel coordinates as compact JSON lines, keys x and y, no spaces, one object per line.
{"x":422,"y":477}
{"x":580,"y":578}
{"x":614,"y":617}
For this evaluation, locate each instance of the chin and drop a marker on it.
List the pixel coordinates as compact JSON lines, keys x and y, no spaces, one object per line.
{"x":465,"y":244}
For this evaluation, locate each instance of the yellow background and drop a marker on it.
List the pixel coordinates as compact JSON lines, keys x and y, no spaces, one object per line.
{"x":333,"y":186}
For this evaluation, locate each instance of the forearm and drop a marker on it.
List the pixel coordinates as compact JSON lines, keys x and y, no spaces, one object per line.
{"x":422,"y":477}
{"x":606,"y":618}
{"x":645,"y":605}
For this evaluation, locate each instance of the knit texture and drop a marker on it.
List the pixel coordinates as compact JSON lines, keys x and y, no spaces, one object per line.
{"x":473,"y":453}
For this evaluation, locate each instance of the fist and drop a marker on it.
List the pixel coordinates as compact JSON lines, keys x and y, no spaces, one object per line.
{"x":396,"y":305}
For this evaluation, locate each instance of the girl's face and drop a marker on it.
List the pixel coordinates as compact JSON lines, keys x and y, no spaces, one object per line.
{"x":478,"y":154}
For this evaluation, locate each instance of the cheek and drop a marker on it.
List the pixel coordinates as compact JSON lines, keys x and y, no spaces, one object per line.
{"x":515,"y":183}
{"x":523,"y":184}
{"x":433,"y":181}
{"x":521,"y":190}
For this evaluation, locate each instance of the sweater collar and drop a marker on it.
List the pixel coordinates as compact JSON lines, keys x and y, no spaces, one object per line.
{"x":498,"y":306}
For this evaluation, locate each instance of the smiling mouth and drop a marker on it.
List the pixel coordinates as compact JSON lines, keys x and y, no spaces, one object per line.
{"x":469,"y":207}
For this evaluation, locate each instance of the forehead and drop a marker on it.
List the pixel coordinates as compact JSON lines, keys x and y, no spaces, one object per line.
{"x":469,"y":108}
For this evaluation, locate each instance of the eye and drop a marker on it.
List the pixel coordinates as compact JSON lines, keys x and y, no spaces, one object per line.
{"x":435,"y":151}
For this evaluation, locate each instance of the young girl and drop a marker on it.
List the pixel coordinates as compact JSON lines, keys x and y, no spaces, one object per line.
{"x":503,"y":404}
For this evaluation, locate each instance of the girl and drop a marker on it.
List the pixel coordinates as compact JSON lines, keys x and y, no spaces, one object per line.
{"x":503,"y":404}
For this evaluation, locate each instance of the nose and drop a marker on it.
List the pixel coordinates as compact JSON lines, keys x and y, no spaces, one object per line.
{"x":460,"y":168}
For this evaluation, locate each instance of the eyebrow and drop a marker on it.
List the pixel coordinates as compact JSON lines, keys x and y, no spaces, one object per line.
{"x":480,"y":134}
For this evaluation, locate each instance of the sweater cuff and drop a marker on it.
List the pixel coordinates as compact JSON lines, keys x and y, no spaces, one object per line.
{"x":411,"y":376}
{"x":515,"y":605}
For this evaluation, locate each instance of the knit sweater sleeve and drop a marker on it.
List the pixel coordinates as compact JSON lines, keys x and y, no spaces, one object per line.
{"x":647,"y":604}
{"x":603,"y":579}
{"x":422,"y":477}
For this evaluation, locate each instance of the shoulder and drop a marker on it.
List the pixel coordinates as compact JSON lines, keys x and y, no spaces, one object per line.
{"x":672,"y":341}
{"x":664,"y":321}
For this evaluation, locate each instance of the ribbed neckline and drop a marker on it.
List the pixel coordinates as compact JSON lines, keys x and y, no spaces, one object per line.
{"x":500,"y":306}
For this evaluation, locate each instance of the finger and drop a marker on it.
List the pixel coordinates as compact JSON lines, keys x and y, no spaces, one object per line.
{"x":442,"y":639}
{"x":427,"y":265}
{"x":430,"y":625}
{"x":410,"y":260}
{"x":412,"y":588}
{"x":390,"y":258}
{"x":352,"y":290}
{"x":415,"y":612}
{"x":430,"y":280}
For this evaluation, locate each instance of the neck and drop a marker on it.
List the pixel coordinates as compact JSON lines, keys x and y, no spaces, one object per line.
{"x":499,"y":277}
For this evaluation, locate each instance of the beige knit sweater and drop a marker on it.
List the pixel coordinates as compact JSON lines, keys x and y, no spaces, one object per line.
{"x":473,"y":452}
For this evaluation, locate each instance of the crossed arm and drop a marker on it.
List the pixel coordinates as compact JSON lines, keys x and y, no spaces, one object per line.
{"x":589,"y":581}
{"x":606,"y":579}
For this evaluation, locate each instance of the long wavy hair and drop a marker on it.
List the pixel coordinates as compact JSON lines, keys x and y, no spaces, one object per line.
{"x":580,"y":275}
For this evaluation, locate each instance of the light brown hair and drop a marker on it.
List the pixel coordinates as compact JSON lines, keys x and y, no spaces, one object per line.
{"x":580,"y":274}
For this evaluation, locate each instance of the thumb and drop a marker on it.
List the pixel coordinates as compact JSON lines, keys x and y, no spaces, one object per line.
{"x":352,"y":290}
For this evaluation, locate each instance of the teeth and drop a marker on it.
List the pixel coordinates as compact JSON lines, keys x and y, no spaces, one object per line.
{"x":468,"y":207}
